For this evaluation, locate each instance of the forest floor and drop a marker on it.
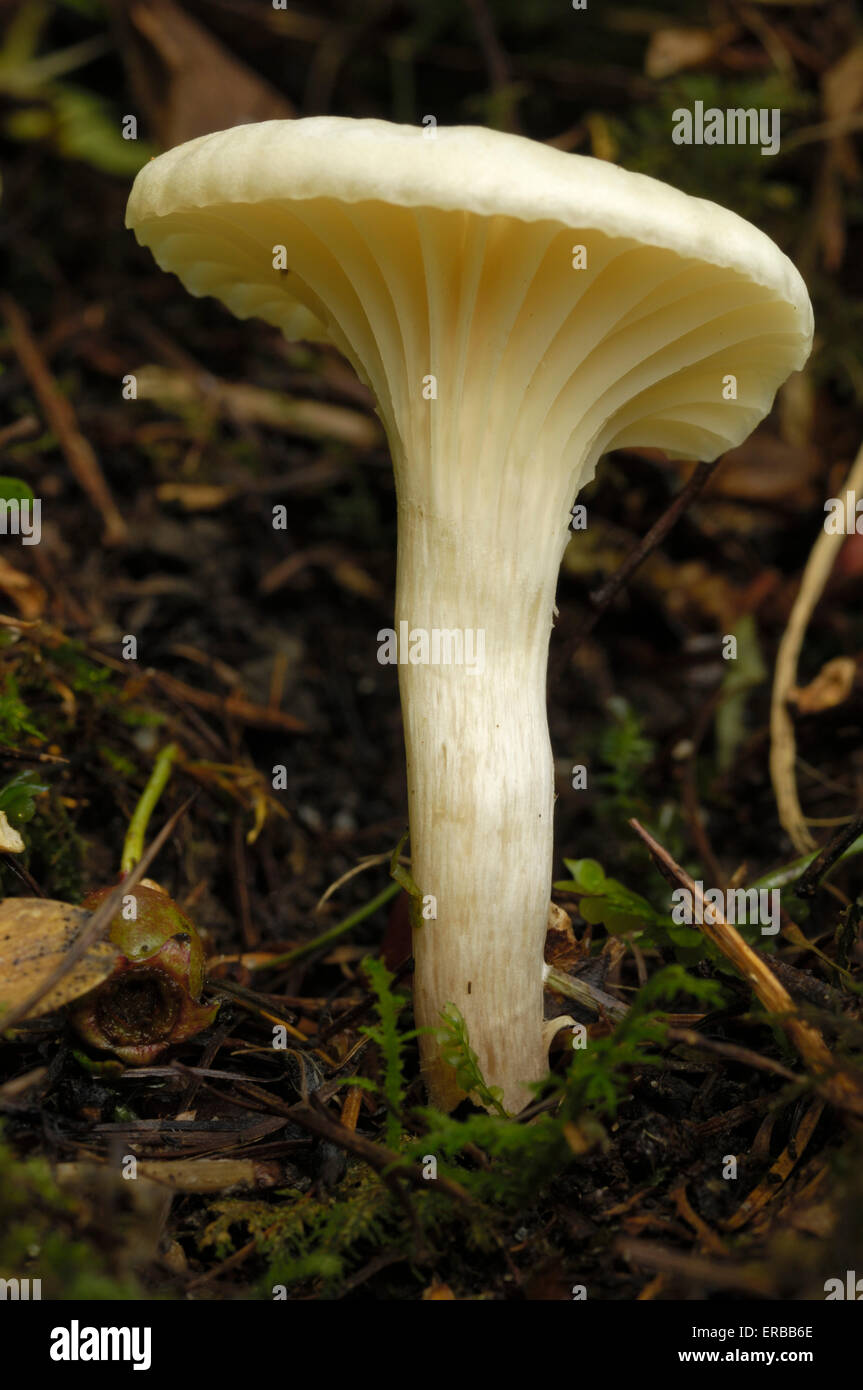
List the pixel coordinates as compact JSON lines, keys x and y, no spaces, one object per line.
{"x":706,"y":1140}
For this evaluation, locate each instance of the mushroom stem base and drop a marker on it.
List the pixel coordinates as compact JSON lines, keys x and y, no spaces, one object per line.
{"x":480,"y":791}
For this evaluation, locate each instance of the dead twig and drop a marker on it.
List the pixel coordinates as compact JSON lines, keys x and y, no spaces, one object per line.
{"x":708,"y":1237}
{"x":744,"y":1055}
{"x":783,"y":745}
{"x":22,"y":428}
{"x":584,"y":993}
{"x":359,"y":1010}
{"x":230,"y":706}
{"x":696,"y":1269}
{"x":833,"y":850}
{"x":311,"y":1115}
{"x":839,"y":1087}
{"x":24,"y":874}
{"x":603,"y":597}
{"x":194,"y":1174}
{"x":31,"y":755}
{"x":780,"y":1171}
{"x":496,"y":60}
{"x":79,"y":454}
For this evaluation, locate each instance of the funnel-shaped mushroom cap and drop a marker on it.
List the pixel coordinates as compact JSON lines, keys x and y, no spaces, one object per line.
{"x":452,"y":252}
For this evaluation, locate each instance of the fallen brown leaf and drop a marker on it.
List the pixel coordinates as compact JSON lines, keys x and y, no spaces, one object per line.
{"x":10,"y":840}
{"x":831,"y":687}
{"x":561,"y":947}
{"x":35,"y":934}
{"x":196,"y":497}
{"x":25,"y":592}
{"x":186,"y":81}
{"x":438,"y":1293}
{"x":675,"y":50}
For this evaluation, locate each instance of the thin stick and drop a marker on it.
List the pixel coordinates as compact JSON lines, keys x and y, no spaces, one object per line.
{"x":21,"y":428}
{"x":602,"y":598}
{"x":839,"y":1087}
{"x":357,"y":1011}
{"x":571,"y":987}
{"x":696,"y":1269}
{"x":333,"y":933}
{"x":783,"y":746}
{"x":369,"y":862}
{"x":23,"y":873}
{"x":228,"y":706}
{"x":310,"y":1114}
{"x":82,"y":461}
{"x":832,"y":851}
{"x":496,"y":60}
{"x":17,"y":755}
{"x":732,"y":1052}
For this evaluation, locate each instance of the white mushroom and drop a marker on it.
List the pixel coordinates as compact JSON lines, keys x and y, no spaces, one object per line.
{"x":517,"y":312}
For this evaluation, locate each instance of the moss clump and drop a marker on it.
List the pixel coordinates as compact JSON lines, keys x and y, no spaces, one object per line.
{"x":43,"y":1236}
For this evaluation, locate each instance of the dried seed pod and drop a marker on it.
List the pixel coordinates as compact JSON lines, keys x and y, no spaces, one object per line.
{"x":152,"y":999}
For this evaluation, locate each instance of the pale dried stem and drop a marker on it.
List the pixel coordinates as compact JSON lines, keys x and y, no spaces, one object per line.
{"x":783,"y":747}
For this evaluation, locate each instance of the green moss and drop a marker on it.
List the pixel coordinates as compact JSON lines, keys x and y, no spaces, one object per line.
{"x":55,"y":851}
{"x":504,"y":1168}
{"x":15,"y":716}
{"x":41,"y":1237}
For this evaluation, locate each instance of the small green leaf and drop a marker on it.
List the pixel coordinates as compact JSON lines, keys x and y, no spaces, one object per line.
{"x":619,"y":922}
{"x":18,"y":797}
{"x":587,"y":873}
{"x":15,"y":490}
{"x":405,"y":879}
{"x":685,"y":936}
{"x":386,"y":1035}
{"x":458,"y":1053}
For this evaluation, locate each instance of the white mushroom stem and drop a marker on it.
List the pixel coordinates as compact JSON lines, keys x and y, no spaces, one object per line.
{"x":480,"y":774}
